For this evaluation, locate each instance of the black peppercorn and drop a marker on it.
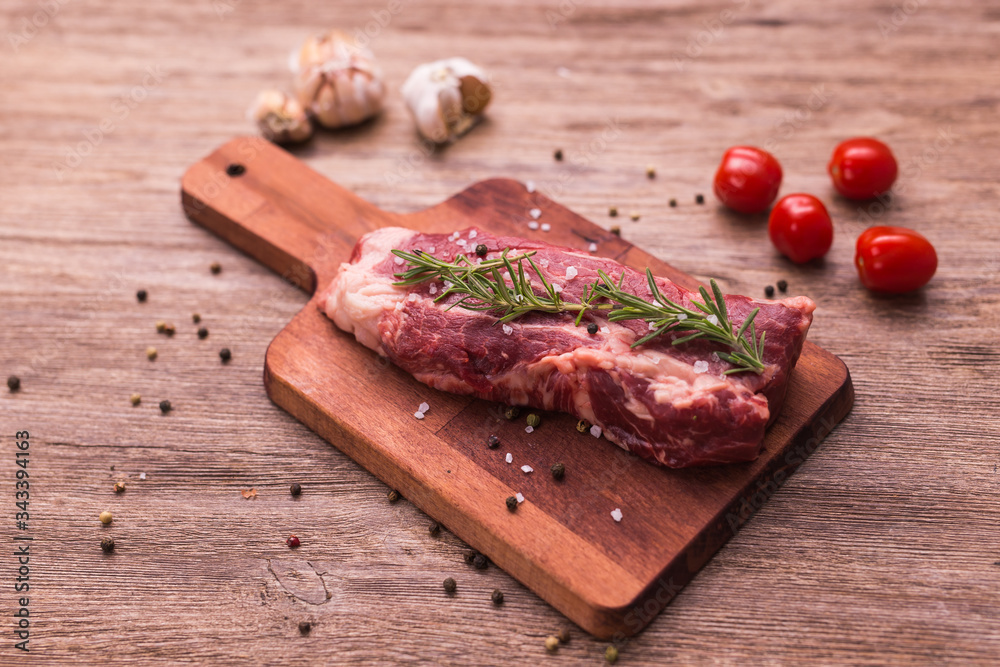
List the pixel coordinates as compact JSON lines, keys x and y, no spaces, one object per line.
{"x":434,"y":529}
{"x":616,"y":230}
{"x":305,"y":627}
{"x":393,"y":496}
{"x":481,"y":250}
{"x":215,"y":268}
{"x":449,"y":585}
{"x":225,"y":355}
{"x":141,"y":296}
{"x":497,"y":596}
{"x":563,"y":636}
{"x":613,"y":211}
{"x":236,"y":169}
{"x":480,"y":562}
{"x":769,"y":291}
{"x":295,"y":489}
{"x":108,"y":545}
{"x":673,"y":203}
{"x":196,"y":318}
{"x":203,"y":333}
{"x":511,"y":412}
{"x":558,"y":155}
{"x":512,"y":503}
{"x":165,"y":407}
{"x":783,"y":285}
{"x":493,"y":442}
{"x":699,"y":199}
{"x":558,"y":470}
{"x":13,"y":383}
{"x":469,"y":556}
{"x":592,"y":328}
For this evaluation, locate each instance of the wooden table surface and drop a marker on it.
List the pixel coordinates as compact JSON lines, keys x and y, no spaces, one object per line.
{"x":883,"y":548}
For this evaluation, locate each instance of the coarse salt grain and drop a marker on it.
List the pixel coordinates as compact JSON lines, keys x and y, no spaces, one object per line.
{"x":412,"y":297}
{"x":433,"y":288}
{"x":507,"y":329}
{"x":546,"y":227}
{"x":535,"y":213}
{"x":681,"y":317}
{"x":418,"y":414}
{"x":556,"y":287}
{"x":431,"y":250}
{"x":713,"y":319}
{"x":701,"y":367}
{"x":520,"y":498}
{"x":605,"y":330}
{"x":532,"y":225}
{"x":398,"y":261}
{"x":544,"y":263}
{"x":595,"y":431}
{"x":592,"y":247}
{"x":473,"y":234}
{"x":510,"y":457}
{"x":616,"y":514}
{"x":460,"y":242}
{"x":527,"y":469}
{"x":530,"y":186}
{"x":652,"y":326}
{"x":529,"y":429}
{"x":564,"y":72}
{"x":423,"y":407}
{"x":142,"y":475}
{"x":715,"y":356}
{"x":571,"y":272}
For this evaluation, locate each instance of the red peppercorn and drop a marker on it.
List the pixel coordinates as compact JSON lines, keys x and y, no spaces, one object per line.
{"x":292,"y":542}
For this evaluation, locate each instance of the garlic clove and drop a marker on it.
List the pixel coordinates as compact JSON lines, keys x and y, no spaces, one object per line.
{"x":446,"y":98}
{"x":336,"y":80}
{"x":280,"y":118}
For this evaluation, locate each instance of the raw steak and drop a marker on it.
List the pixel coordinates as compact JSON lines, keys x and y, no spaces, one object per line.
{"x":650,"y":400}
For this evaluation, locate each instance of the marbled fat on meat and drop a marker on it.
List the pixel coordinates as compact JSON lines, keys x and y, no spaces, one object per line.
{"x":648,"y":400}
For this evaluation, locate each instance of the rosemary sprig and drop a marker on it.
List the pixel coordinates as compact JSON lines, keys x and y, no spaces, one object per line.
{"x":482,"y":287}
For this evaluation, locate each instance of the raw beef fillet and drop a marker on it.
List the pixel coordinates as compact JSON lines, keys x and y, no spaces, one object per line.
{"x":652,"y":400}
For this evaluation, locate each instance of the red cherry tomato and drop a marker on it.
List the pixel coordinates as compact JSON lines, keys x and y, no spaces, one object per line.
{"x":800,"y":228}
{"x":862,"y":168}
{"x":894,"y":259}
{"x":748,"y":179}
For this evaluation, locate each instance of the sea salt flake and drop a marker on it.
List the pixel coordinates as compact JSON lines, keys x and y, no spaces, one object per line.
{"x":715,"y":356}
{"x":460,"y":242}
{"x":546,"y":227}
{"x":595,"y":431}
{"x":713,"y":319}
{"x":616,"y":514}
{"x":652,"y":326}
{"x":571,"y":272}
{"x":412,"y":297}
{"x":520,"y":498}
{"x":433,"y":288}
{"x":535,"y":213}
{"x":557,"y":288}
{"x":431,"y":250}
{"x":605,"y":330}
{"x":473,"y":234}
{"x":544,"y":263}
{"x":418,"y":414}
{"x":592,"y":247}
{"x":510,"y":457}
{"x":423,"y":407}
{"x":527,"y":469}
{"x":529,"y":429}
{"x":681,"y":317}
{"x":532,"y":225}
{"x":398,"y":261}
{"x":701,"y":367}
{"x":530,"y":186}
{"x":142,"y":475}
{"x":507,"y":329}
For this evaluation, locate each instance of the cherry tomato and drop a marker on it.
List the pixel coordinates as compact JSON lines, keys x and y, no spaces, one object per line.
{"x":862,"y":168}
{"x":748,"y":179}
{"x":800,"y":228}
{"x":894,"y":259}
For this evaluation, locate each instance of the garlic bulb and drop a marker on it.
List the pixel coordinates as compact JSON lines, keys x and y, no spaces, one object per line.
{"x":336,"y":80}
{"x":446,"y":98}
{"x":280,"y":118}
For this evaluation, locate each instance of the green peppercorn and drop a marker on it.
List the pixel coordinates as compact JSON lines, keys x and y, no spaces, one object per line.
{"x":512,"y":412}
{"x":611,"y":655}
{"x":434,"y":529}
{"x":512,"y":503}
{"x":481,"y":250}
{"x":450,"y":585}
{"x":141,"y":296}
{"x":108,"y":545}
{"x":225,"y":355}
{"x":480,"y":562}
{"x":551,"y":643}
{"x":393,"y":496}
{"x":497,"y":596}
{"x":13,"y":383}
{"x":592,"y":328}
{"x":583,"y":426}
{"x":203,"y":333}
{"x":165,"y":407}
{"x":558,"y":471}
{"x":493,"y":442}
{"x":534,"y":420}
{"x":295,"y":489}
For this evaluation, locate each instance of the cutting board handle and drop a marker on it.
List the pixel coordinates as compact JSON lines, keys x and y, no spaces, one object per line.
{"x":262,"y":200}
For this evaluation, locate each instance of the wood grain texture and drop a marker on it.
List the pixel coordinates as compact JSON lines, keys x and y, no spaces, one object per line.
{"x":562,"y":543}
{"x":880,"y":549}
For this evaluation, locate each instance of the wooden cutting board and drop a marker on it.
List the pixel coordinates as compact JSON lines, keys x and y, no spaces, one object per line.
{"x":610,"y":578}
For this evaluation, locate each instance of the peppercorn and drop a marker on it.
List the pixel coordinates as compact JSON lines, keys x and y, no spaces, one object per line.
{"x":512,"y":412}
{"x":293,"y":542}
{"x":673,"y":203}
{"x":295,"y":489}
{"x":650,"y":171}
{"x":613,"y":211}
{"x":393,"y":495}
{"x":141,"y":296}
{"x":469,"y":556}
{"x":783,"y":285}
{"x":512,"y":503}
{"x":136,"y":399}
{"x":13,"y":383}
{"x":698,"y":199}
{"x":225,"y":355}
{"x":635,"y":217}
{"x":165,"y":406}
{"x":481,"y":250}
{"x":196,"y":318}
{"x":611,"y":655}
{"x":170,"y":329}
{"x":161,"y":326}
{"x":450,"y":585}
{"x":151,"y":353}
{"x":551,"y":643}
{"x":616,"y":230}
{"x":105,"y":517}
{"x":119,"y":487}
{"x":497,"y":596}
{"x":558,"y":470}
{"x":534,"y":420}
{"x":305,"y":627}
{"x":493,"y":442}
{"x":203,"y":333}
{"x":215,"y":268}
{"x":108,"y":545}
{"x":769,"y":291}
{"x":592,"y":328}
{"x":480,"y":562}
{"x":583,"y":426}
{"x":563,"y":636}
{"x":558,"y":155}
{"x":434,"y":529}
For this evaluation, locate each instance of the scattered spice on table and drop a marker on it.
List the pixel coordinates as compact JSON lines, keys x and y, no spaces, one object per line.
{"x":202,"y":333}
{"x":450,"y":585}
{"x":534,"y":420}
{"x":215,"y":268}
{"x":108,"y":545}
{"x":295,"y":489}
{"x":248,"y":493}
{"x":469,"y":556}
{"x":165,"y":407}
{"x":497,"y":596}
{"x":563,"y":636}
{"x":558,"y":471}
{"x":511,"y":413}
{"x":161,"y":326}
{"x":611,"y":655}
{"x":783,"y":285}
{"x":105,"y":517}
{"x":769,"y":291}
{"x":583,"y":426}
{"x":699,"y":199}
{"x":135,"y":399}
{"x":592,"y":328}
{"x":393,"y":495}
{"x":650,"y":171}
{"x":141,"y":296}
{"x":434,"y":529}
{"x":558,"y":155}
{"x":170,"y":329}
{"x":551,"y":643}
{"x":305,"y":627}
{"x":480,"y":562}
{"x":616,"y":230}
{"x":512,"y":503}
{"x":196,"y":318}
{"x":13,"y":383}
{"x":613,"y":211}
{"x":493,"y":442}
{"x":151,"y":353}
{"x":673,"y":203}
{"x":119,"y":487}
{"x":293,"y":542}
{"x":635,"y":216}
{"x":225,"y":354}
